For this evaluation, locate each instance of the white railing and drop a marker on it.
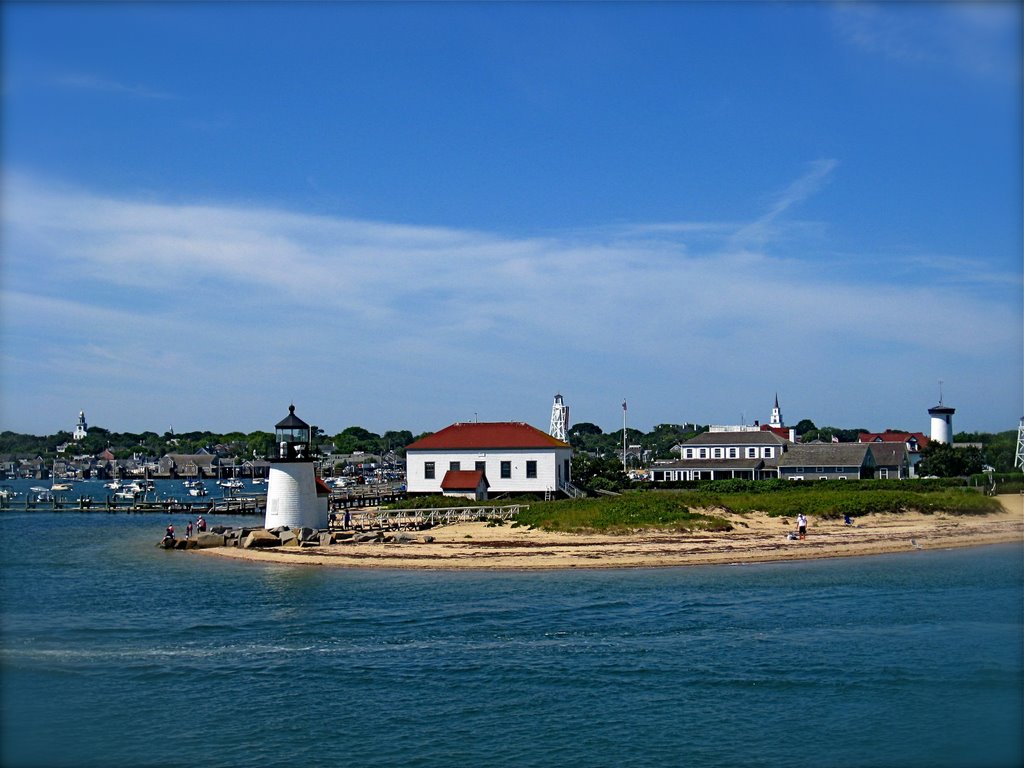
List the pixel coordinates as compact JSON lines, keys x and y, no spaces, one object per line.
{"x":570,"y":490}
{"x":414,"y":518}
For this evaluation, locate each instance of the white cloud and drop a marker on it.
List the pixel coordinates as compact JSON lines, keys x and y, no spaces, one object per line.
{"x":89,"y":82}
{"x":188,"y":305}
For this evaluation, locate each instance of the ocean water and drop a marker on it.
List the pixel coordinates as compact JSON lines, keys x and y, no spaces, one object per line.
{"x":116,"y":653}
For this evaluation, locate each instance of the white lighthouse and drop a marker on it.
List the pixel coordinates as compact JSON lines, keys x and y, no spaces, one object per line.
{"x":291,"y":484}
{"x":942,"y":421}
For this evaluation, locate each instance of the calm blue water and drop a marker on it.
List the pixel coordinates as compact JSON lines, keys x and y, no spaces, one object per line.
{"x":116,"y":653}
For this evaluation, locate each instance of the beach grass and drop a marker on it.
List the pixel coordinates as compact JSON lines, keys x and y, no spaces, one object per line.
{"x":701,"y":509}
{"x":620,"y":514}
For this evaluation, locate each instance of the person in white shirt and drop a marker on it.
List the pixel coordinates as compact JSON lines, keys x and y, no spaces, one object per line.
{"x":801,"y":521}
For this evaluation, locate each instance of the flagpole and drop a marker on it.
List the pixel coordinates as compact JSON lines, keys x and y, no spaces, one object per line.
{"x":623,"y":435}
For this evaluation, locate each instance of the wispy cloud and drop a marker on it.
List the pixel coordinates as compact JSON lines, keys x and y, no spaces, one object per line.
{"x":90,"y":82}
{"x":795,"y":193}
{"x":981,"y":39}
{"x":219,"y":294}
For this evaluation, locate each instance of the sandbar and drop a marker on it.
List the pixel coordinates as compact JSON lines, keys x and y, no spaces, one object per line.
{"x":755,"y":538}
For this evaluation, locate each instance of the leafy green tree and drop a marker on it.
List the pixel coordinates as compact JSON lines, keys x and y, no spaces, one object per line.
{"x":597,"y":473}
{"x":396,"y":440}
{"x":944,"y":460}
{"x":804,"y":426}
{"x":259,"y":444}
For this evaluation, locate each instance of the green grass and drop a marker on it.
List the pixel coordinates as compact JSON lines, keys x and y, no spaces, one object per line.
{"x":830,"y":502}
{"x":620,"y":514}
{"x":674,"y":509}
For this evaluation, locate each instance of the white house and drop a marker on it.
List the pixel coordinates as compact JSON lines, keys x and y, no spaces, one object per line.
{"x":725,"y":455}
{"x":513,"y":457}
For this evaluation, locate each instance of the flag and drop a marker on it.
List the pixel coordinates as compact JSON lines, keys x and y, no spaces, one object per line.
{"x":623,"y":405}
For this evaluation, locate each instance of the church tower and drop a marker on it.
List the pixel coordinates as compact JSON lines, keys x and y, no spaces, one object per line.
{"x":776,"y":422}
{"x":81,"y":429}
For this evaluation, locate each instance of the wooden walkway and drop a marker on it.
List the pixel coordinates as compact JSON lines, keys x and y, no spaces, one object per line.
{"x":397,"y":519}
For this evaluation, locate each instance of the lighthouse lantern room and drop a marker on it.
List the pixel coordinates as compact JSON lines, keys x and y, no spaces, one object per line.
{"x":291,"y":484}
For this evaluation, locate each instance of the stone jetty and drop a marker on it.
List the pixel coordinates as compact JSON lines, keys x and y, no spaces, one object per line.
{"x":283,"y":536}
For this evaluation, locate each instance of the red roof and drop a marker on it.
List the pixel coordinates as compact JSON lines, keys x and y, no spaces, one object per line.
{"x":889,"y":436}
{"x":463,"y":480}
{"x":491,"y":435}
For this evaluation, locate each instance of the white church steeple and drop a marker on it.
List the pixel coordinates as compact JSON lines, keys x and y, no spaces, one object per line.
{"x":776,"y":422}
{"x":81,"y":429}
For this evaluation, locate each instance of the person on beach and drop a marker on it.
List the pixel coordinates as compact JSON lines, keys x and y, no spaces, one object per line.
{"x":169,"y":534}
{"x":348,"y":519}
{"x":188,"y":530}
{"x":801,"y":521}
{"x":201,"y":524}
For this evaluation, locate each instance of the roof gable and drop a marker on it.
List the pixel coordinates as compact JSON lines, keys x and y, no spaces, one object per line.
{"x":483,"y":435}
{"x":463,"y":480}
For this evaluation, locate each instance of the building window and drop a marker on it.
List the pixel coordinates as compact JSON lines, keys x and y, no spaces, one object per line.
{"x":734,"y":453}
{"x":428,"y":470}
{"x":703,"y":453}
{"x":751,"y":453}
{"x":768,"y":453}
{"x":481,"y":466}
{"x":718,"y":453}
{"x":531,"y":469}
{"x":506,"y":470}
{"x":454,"y":466}
{"x":689,"y":453}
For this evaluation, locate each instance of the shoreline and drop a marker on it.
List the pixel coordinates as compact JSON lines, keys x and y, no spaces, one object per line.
{"x":755,"y":538}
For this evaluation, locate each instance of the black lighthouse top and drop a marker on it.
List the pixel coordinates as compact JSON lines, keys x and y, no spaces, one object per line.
{"x":292,"y":438}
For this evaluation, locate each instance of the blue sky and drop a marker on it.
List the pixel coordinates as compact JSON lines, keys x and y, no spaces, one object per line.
{"x":400,"y":215}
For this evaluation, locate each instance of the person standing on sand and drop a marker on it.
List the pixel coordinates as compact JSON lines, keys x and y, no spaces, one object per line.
{"x":801,"y":521}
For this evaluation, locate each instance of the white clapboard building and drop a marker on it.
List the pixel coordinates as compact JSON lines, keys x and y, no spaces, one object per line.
{"x":513,"y":457}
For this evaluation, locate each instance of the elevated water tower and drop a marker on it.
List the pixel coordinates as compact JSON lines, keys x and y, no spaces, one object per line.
{"x":559,"y":420}
{"x":291,"y":483}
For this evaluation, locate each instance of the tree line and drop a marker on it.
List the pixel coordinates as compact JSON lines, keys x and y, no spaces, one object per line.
{"x":601,"y":449}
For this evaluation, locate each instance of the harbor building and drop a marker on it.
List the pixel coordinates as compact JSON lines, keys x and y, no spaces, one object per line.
{"x":295,"y":497}
{"x":510,"y":457}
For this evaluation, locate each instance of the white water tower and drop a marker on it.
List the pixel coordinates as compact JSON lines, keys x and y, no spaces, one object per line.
{"x":291,"y":483}
{"x":942,"y":421}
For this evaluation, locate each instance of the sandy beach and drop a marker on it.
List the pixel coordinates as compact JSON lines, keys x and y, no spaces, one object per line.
{"x":754,"y":538}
